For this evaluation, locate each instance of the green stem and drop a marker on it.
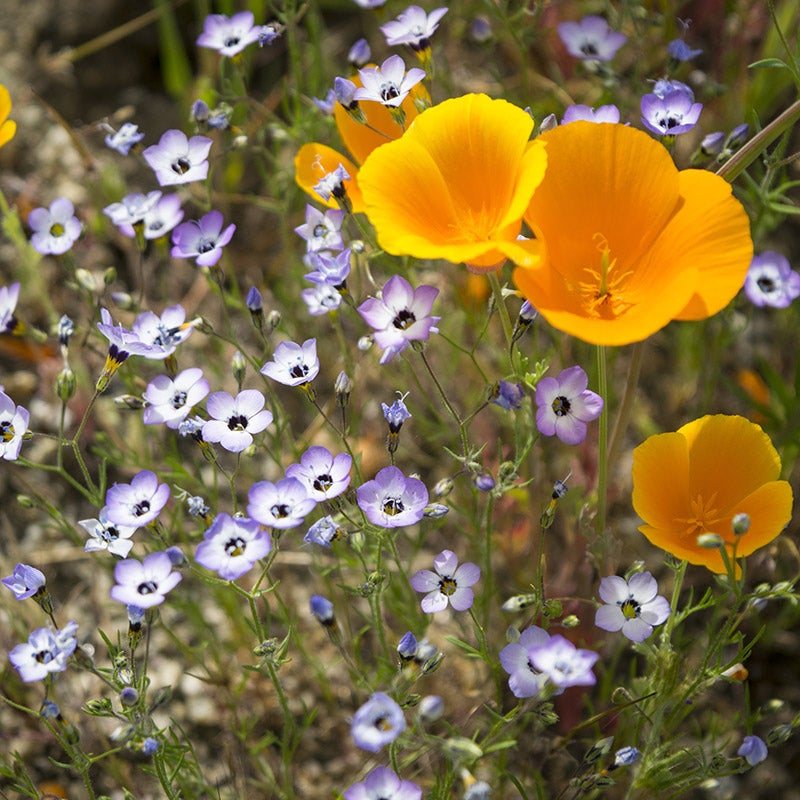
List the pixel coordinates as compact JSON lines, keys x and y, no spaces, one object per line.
{"x":500,"y":304}
{"x":602,"y":461}
{"x":626,"y":404}
{"x":461,"y":427}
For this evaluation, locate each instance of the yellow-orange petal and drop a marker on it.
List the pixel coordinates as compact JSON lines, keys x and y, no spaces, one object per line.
{"x":359,"y":139}
{"x":659,"y":456}
{"x":7,"y":126}
{"x":456,"y":184}
{"x":770,"y":510}
{"x":729,"y":457}
{"x":683,"y":547}
{"x":313,"y":161}
{"x":711,"y":232}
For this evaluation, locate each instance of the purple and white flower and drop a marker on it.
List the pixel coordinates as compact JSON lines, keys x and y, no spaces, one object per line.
{"x":771,"y":281}
{"x":144,"y":584}
{"x":159,"y":220}
{"x":753,"y":750}
{"x":591,"y":39}
{"x":131,"y":210}
{"x":232,"y":545}
{"x":106,"y":535}
{"x":565,"y":405}
{"x":323,"y":532}
{"x":508,"y":395}
{"x":391,"y":500}
{"x":45,"y":652}
{"x":359,"y":53}
{"x":229,"y":35}
{"x":396,"y":413}
{"x":324,"y":475}
{"x":325,"y":104}
{"x":388,"y":84}
{"x":377,"y":723}
{"x":178,"y":159}
{"x":383,"y":784}
{"x":137,"y":503}
{"x":579,"y":111}
{"x":202,"y":239}
{"x":9,"y":295}
{"x":328,"y":269}
{"x":13,"y":426}
{"x":163,"y":333}
{"x":331,"y":184}
{"x":632,"y":606}
{"x":234,"y":420}
{"x":122,"y":342}
{"x":563,"y":663}
{"x":524,"y":679}
{"x":670,"y":115}
{"x":322,"y":229}
{"x":55,"y":229}
{"x":322,"y":610}
{"x":279,"y":505}
{"x":450,"y":583}
{"x":25,"y":581}
{"x":400,"y":316}
{"x":170,"y":400}
{"x":126,"y":137}
{"x":413,"y":27}
{"x":293,"y":364}
{"x":680,"y":51}
{"x":321,"y":299}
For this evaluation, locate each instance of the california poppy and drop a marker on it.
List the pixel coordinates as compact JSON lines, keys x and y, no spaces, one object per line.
{"x":456,"y":184}
{"x":696,"y":480}
{"x":7,"y":126}
{"x":629,"y":242}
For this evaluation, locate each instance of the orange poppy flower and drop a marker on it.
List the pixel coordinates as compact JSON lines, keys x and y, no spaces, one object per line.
{"x":630,"y":242}
{"x":313,"y":161}
{"x":457,"y":183}
{"x":7,"y":126}
{"x":699,"y":478}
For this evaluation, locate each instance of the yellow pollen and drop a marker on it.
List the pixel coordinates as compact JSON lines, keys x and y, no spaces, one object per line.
{"x":602,"y":294}
{"x":705,"y":516}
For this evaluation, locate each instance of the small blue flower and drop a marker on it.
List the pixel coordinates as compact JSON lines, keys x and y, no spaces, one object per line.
{"x":508,"y":395}
{"x":591,"y":39}
{"x":753,"y":750}
{"x":150,"y":746}
{"x":124,"y":139}
{"x":377,"y":723}
{"x":680,"y":51}
{"x":407,"y":646}
{"x":322,"y":610}
{"x":323,"y":532}
{"x":670,"y":115}
{"x":396,"y":414}
{"x":359,"y":54}
{"x":25,"y":581}
{"x":626,"y":756}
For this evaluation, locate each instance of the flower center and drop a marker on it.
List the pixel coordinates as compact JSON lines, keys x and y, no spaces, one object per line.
{"x":389,"y":91}
{"x":231,"y":41}
{"x":110,"y":534}
{"x":767,"y":285}
{"x":280,"y":511}
{"x":181,"y":165}
{"x":6,"y":431}
{"x":142,"y":507}
{"x":323,"y":482}
{"x":238,"y":422}
{"x":630,"y":608}
{"x":602,"y":293}
{"x":383,"y":723}
{"x":319,"y":231}
{"x":589,"y":48}
{"x":393,"y":506}
{"x":448,"y":586}
{"x":57,"y":229}
{"x":44,"y":656}
{"x":178,"y":400}
{"x":705,"y":517}
{"x":561,"y":406}
{"x":235,"y":546}
{"x":404,"y":320}
{"x":205,"y":245}
{"x":299,"y":370}
{"x":147,"y":587}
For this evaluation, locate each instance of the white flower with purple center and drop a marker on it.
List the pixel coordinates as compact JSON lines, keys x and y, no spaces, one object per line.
{"x":450,"y":583}
{"x":202,"y":239}
{"x":377,"y":723}
{"x":144,"y":584}
{"x":159,"y":220}
{"x":579,"y":112}
{"x":9,"y":295}
{"x":131,"y":210}
{"x":293,"y":364}
{"x":122,"y":342}
{"x":163,"y":333}
{"x":137,"y":503}
{"x":332,"y":270}
{"x":229,"y":35}
{"x":391,"y":500}
{"x":106,"y":535}
{"x":321,"y":299}
{"x":325,"y":476}
{"x":565,"y":405}
{"x":234,"y":420}
{"x":632,"y":606}
{"x":25,"y":581}
{"x":45,"y":652}
{"x":563,"y":663}
{"x":322,"y":229}
{"x":388,"y":84}
{"x":770,"y":281}
{"x":55,"y":229}
{"x":331,"y":184}
{"x":670,"y":115}
{"x":170,"y":400}
{"x":413,"y":27}
{"x":13,"y":426}
{"x":383,"y":784}
{"x":323,"y":532}
{"x":126,"y":137}
{"x":591,"y":39}
{"x":232,"y":545}
{"x":524,"y":679}
{"x":753,"y":750}
{"x":400,"y":316}
{"x":279,"y":505}
{"x":178,"y":159}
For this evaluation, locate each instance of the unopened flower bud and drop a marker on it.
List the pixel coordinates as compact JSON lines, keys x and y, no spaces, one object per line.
{"x":123,"y":300}
{"x":431,"y":708}
{"x":322,"y":610}
{"x":519,"y":602}
{"x":129,"y":401}
{"x":25,"y":501}
{"x":129,"y":696}
{"x":432,"y":664}
{"x":484,"y":482}
{"x":461,"y":749}
{"x":161,"y":698}
{"x":435,"y":511}
{"x":549,"y":123}
{"x":50,"y":710}
{"x":238,"y":367}
{"x":443,"y":487}
{"x":87,"y":281}
{"x":740,"y":524}
{"x":109,"y":275}
{"x":598,"y":750}
{"x":779,"y":734}
{"x":273,"y":320}
{"x":407,"y":646}
{"x":710,"y":541}
{"x":364,"y":343}
{"x":66,"y":327}
{"x":342,"y":386}
{"x":359,"y":54}
{"x":570,"y":621}
{"x":66,"y":383}
{"x":626,"y":756}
